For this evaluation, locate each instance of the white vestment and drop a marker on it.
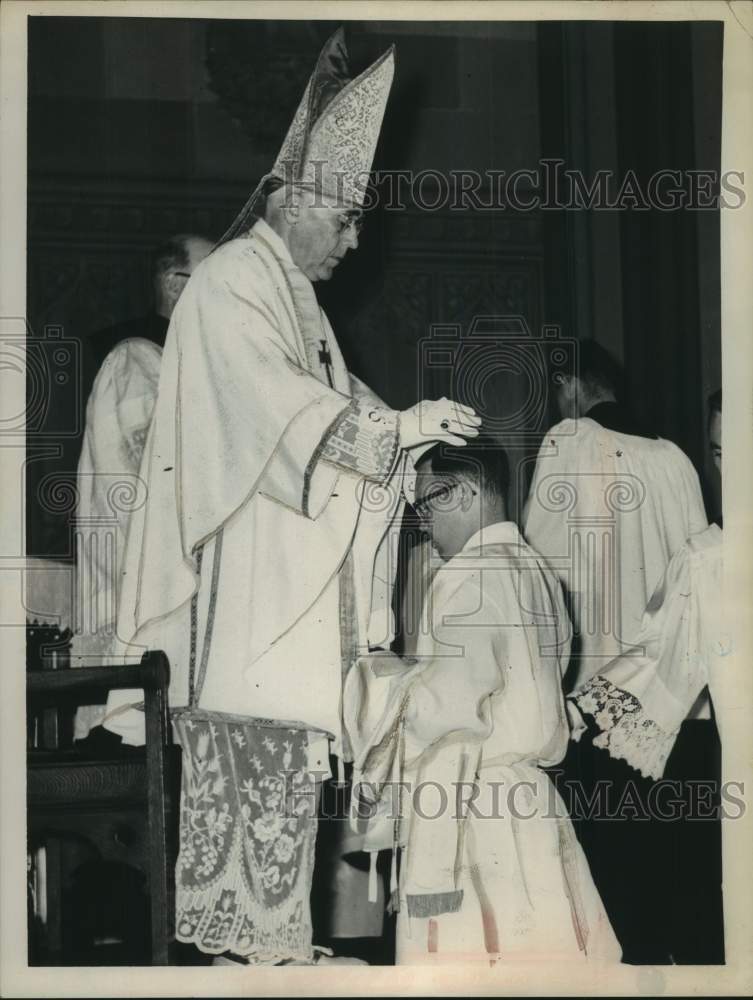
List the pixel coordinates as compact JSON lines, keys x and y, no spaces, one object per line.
{"x":473,"y":722}
{"x":118,"y":414}
{"x":607,"y":511}
{"x":640,"y":700}
{"x":270,"y":473}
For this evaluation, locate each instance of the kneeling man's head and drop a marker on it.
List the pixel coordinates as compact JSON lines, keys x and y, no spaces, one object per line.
{"x":460,"y":490}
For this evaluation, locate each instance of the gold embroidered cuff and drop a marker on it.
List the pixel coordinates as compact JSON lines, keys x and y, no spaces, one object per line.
{"x":364,"y":439}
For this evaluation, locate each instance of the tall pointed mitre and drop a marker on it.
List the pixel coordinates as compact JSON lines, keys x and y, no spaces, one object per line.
{"x":330,"y":145}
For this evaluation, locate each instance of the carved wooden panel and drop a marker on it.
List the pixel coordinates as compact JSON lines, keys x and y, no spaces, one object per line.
{"x":82,"y":289}
{"x":382,"y":338}
{"x":510,"y":289}
{"x":466,"y":233}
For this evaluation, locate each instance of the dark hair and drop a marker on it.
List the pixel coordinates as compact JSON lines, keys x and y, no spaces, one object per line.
{"x":172,"y":255}
{"x":598,"y":370}
{"x":483,"y":460}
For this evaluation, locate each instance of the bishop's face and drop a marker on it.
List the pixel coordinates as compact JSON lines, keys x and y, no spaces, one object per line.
{"x":321,"y":235}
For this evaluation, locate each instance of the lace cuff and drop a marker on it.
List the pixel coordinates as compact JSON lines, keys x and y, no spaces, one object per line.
{"x":627,"y":733}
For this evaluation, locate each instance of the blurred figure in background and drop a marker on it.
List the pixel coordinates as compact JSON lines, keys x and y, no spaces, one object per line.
{"x":124,"y":366}
{"x":609,"y":506}
{"x":651,"y":708}
{"x":173,"y":263}
{"x":610,"y":503}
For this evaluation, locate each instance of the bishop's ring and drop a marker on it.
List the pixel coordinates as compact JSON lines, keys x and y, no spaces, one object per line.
{"x":445,"y":425}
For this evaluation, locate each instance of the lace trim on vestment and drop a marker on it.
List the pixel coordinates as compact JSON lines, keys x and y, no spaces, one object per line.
{"x":627,"y":733}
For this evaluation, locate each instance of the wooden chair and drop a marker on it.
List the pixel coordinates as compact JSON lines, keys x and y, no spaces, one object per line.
{"x":124,"y":804}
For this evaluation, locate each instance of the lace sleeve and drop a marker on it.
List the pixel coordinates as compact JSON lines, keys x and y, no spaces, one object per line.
{"x":626,"y":732}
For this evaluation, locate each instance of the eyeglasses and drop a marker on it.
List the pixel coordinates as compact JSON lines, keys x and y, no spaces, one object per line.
{"x":344,"y":222}
{"x":435,"y":502}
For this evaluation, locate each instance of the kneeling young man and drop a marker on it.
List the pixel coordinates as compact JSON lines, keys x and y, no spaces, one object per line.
{"x":450,"y":747}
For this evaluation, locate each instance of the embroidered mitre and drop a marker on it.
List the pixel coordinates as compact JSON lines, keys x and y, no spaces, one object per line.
{"x":330,"y":144}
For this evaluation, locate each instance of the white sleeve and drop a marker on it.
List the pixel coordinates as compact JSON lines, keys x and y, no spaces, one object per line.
{"x":640,"y":699}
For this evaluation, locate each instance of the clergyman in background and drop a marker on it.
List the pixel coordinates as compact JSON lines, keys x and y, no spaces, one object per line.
{"x":609,"y":505}
{"x":125,"y":364}
{"x":653,"y":707}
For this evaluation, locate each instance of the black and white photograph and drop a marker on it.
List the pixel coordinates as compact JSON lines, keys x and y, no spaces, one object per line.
{"x":374,"y":586}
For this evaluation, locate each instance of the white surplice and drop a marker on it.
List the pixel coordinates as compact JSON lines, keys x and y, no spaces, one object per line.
{"x":262,"y":478}
{"x":607,"y":511}
{"x":473,"y":721}
{"x":640,"y":699}
{"x":118,"y":414}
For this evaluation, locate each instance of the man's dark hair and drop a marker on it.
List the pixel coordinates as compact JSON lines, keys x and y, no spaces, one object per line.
{"x":715,"y":403}
{"x":483,"y":461}
{"x":598,"y":370}
{"x":172,"y":255}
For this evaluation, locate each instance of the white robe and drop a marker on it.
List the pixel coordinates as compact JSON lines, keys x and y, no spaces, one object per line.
{"x":118,"y":414}
{"x":607,"y":511}
{"x":247,"y":459}
{"x":482,"y":708}
{"x":640,"y":700}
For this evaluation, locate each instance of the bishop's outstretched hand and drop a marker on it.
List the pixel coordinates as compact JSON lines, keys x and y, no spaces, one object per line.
{"x":435,"y":420}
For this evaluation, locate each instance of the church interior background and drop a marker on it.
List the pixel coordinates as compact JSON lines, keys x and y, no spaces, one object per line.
{"x":140,"y":128}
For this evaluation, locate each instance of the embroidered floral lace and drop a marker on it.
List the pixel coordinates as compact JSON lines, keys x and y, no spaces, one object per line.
{"x":626,"y":732}
{"x":247,"y":834}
